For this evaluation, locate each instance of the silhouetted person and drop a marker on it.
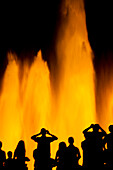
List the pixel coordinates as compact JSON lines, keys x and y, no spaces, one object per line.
{"x":36,"y":158}
{"x":73,"y":155}
{"x":61,"y":156}
{"x":87,"y":152}
{"x":95,"y":142}
{"x":2,"y":157}
{"x":44,"y":148}
{"x":9,"y":164}
{"x":109,"y":151}
{"x":19,"y":155}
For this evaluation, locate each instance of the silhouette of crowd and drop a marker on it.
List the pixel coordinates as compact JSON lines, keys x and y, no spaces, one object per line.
{"x":14,"y":163}
{"x":97,"y":152}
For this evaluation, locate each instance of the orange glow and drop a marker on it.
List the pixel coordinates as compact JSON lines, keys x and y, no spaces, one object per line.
{"x":24,"y":103}
{"x":76,"y":95}
{"x":104,"y":91}
{"x":28,"y":101}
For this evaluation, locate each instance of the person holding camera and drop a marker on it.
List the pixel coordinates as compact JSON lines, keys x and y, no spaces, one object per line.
{"x":44,"y":161}
{"x":93,"y":146}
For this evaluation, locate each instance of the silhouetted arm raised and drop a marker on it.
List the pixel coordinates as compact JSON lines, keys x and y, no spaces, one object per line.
{"x":53,"y":136}
{"x":34,"y":137}
{"x":103,"y":131}
{"x":86,"y":130}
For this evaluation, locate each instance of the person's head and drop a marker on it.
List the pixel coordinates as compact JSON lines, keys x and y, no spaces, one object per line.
{"x":96,"y":128}
{"x":9,"y":154}
{"x":111,"y":128}
{"x":20,"y":145}
{"x":0,"y":144}
{"x":71,"y":140}
{"x":62,"y":146}
{"x":43,"y":131}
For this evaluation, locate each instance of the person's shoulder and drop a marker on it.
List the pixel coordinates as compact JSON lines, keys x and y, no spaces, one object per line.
{"x":109,"y":136}
{"x":68,"y":147}
{"x":76,"y":148}
{"x":89,"y":134}
{"x":38,"y":139}
{"x":2,"y":152}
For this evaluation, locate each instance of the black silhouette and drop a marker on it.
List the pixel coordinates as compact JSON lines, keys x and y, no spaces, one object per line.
{"x":97,"y":152}
{"x":36,"y":157}
{"x":20,"y":150}
{"x":9,"y":164}
{"x":2,"y":157}
{"x":73,"y":155}
{"x":93,"y":146}
{"x":19,"y":156}
{"x":61,"y":156}
{"x":44,"y":161}
{"x":108,"y":153}
{"x":87,"y":152}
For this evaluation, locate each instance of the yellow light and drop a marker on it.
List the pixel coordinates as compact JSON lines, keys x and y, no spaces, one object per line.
{"x":28,"y":101}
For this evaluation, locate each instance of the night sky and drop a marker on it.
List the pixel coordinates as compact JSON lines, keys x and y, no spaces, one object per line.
{"x":26,"y":28}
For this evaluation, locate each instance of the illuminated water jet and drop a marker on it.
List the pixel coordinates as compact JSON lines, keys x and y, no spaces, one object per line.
{"x":29,"y":102}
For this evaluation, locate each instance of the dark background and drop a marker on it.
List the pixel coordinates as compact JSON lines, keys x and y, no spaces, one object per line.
{"x":26,"y":28}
